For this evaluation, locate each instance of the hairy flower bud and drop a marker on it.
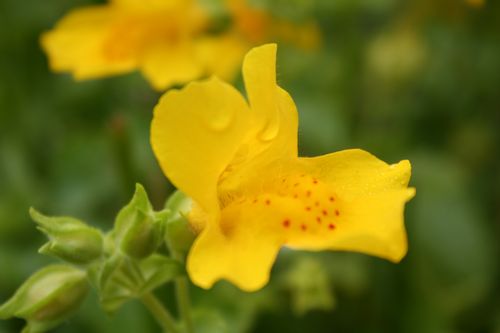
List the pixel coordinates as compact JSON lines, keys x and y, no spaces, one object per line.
{"x":47,"y":298}
{"x":179,"y":235}
{"x":69,"y":239}
{"x":137,"y":229}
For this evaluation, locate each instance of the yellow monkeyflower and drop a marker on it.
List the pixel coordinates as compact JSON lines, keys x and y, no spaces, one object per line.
{"x":252,"y":194}
{"x":258,"y":26}
{"x":164,"y":39}
{"x":475,"y":3}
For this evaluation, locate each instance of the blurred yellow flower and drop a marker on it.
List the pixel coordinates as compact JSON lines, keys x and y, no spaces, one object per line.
{"x":164,"y":39}
{"x":238,"y":161}
{"x":167,"y":40}
{"x":475,"y":3}
{"x":258,"y":26}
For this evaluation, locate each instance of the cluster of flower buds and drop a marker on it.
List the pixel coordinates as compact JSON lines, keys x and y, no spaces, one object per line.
{"x":122,"y":264}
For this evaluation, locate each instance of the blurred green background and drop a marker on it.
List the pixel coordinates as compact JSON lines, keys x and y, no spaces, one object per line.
{"x":416,"y":79}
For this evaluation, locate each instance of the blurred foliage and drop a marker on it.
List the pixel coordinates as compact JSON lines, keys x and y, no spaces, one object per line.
{"x":414,"y":79}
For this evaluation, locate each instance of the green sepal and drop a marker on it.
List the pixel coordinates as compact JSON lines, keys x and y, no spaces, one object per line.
{"x":138,"y":232}
{"x":114,"y":285}
{"x":179,"y":204}
{"x":70,"y":240}
{"x":47,"y":298}
{"x":179,"y":235}
{"x":158,"y":270}
{"x":143,"y":236}
{"x":122,"y":278}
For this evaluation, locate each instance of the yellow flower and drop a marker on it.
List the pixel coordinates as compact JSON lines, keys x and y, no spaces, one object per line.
{"x":258,"y":26}
{"x":475,"y":3}
{"x":238,"y":161}
{"x":164,"y":39}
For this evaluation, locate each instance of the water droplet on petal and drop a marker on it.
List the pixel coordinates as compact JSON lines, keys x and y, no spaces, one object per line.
{"x":271,"y":128}
{"x":221,"y":120}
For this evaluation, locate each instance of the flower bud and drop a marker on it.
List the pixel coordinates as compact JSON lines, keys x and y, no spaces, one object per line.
{"x":69,"y":239}
{"x":142,"y":237}
{"x":47,"y":298}
{"x":179,"y":234}
{"x":137,"y":230}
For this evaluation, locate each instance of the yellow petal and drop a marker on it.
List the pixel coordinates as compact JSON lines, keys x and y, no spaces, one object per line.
{"x":259,"y":73}
{"x":151,"y":4}
{"x":210,"y":49}
{"x":77,"y":44}
{"x":274,"y":124}
{"x":164,"y":65}
{"x":274,"y":113}
{"x":242,"y":249}
{"x":368,"y":198}
{"x":307,"y":211}
{"x":195,"y":133}
{"x":356,"y":173}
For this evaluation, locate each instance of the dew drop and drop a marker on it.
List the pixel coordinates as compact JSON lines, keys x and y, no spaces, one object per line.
{"x":221,"y":120}
{"x":271,"y":128}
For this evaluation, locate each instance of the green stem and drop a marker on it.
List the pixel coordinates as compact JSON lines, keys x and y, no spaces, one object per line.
{"x":161,"y":314}
{"x":182,"y":293}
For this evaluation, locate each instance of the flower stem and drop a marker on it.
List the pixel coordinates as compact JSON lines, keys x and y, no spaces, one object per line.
{"x":182,"y":293}
{"x":160,"y":313}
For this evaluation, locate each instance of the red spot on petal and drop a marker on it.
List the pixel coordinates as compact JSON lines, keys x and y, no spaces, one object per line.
{"x":308,"y":208}
{"x":324,"y":212}
{"x":316,"y":204}
{"x":303,"y":227}
{"x":296,"y":184}
{"x":308,"y":194}
{"x":337,"y":213}
{"x":286,"y":223}
{"x":318,"y":219}
{"x":331,"y":226}
{"x":268,"y":202}
{"x":315,"y":181}
{"x":254,"y":201}
{"x":332,"y":199}
{"x":295,"y":196}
